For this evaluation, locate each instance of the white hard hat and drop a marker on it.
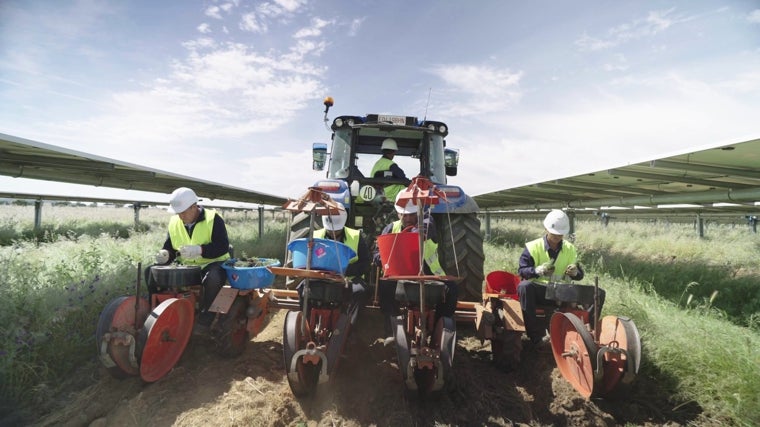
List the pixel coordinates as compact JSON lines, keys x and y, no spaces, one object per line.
{"x":389,"y":144}
{"x":410,"y":207}
{"x":182,"y":198}
{"x":335,"y":222}
{"x":557,"y":222}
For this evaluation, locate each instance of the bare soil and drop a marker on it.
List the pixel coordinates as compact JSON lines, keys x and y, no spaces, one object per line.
{"x":252,"y":390}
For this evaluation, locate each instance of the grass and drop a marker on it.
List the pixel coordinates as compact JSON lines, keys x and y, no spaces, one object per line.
{"x":694,"y":301}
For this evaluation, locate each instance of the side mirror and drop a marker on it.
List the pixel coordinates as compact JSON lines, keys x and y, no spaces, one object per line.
{"x":319,"y":156}
{"x":451,"y":159}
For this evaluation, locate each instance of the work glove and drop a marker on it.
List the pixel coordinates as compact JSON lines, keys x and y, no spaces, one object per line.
{"x":571,"y":270}
{"x":190,"y":251}
{"x":545,"y":269}
{"x":162,"y":257}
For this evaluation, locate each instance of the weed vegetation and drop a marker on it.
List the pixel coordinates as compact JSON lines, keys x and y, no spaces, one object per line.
{"x":695,"y":301}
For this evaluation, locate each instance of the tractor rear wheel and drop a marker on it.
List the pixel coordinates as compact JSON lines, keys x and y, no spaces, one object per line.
{"x":460,"y":252}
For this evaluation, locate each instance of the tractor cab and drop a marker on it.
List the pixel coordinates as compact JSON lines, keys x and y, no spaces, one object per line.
{"x":356,"y":146}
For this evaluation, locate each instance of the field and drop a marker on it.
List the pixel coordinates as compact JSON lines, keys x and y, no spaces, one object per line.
{"x":695,"y":302}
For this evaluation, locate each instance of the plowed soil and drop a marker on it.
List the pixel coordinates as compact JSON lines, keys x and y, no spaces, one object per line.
{"x":252,"y":390}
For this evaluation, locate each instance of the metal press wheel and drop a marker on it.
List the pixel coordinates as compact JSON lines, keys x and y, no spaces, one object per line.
{"x":574,"y":351}
{"x":620,"y":348}
{"x":306,"y":377}
{"x":164,"y":338}
{"x":120,"y":319}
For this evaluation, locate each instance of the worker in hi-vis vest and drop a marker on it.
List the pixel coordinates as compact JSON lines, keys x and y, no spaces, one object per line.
{"x":409,"y":221}
{"x":197,"y":236}
{"x":335,"y":229}
{"x":548,"y":259}
{"x":385,"y":167}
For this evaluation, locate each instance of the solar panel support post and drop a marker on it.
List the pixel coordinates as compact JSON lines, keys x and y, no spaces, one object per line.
{"x":261,"y":221}
{"x":37,"y":215}
{"x":136,"y":207}
{"x":488,"y":225}
{"x":700,"y":226}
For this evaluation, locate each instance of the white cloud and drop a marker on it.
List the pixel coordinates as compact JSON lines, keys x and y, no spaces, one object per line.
{"x":356,"y":23}
{"x":475,"y":90}
{"x":315,"y":29}
{"x":290,"y":5}
{"x":213,"y":12}
{"x":619,"y":63}
{"x":754,"y":16}
{"x":204,"y":28}
{"x":655,"y":22}
{"x":249,"y":22}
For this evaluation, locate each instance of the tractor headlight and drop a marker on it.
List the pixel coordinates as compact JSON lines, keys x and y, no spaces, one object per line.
{"x":339,"y":123}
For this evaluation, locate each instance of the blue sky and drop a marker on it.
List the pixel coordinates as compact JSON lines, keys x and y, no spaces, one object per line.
{"x":231,"y":91}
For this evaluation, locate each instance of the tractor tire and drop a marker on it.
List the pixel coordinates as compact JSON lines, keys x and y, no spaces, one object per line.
{"x":460,"y":243}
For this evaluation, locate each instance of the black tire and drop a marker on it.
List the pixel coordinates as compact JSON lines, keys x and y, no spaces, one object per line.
{"x":459,"y":234}
{"x":231,"y":332}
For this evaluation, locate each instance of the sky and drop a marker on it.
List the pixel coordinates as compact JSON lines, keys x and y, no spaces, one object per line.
{"x":232,"y":91}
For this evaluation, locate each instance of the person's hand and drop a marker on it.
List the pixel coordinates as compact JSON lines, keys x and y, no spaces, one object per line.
{"x":545,"y":269}
{"x":571,"y":270}
{"x":162,"y":257}
{"x":190,"y":251}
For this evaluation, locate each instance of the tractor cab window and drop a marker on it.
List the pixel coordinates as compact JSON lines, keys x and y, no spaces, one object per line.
{"x":340,"y":156}
{"x":437,"y":160}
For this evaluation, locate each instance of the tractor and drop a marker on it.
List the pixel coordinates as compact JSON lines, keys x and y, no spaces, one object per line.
{"x":421,"y":151}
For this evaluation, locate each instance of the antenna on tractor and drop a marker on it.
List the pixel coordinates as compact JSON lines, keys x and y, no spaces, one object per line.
{"x":427,"y":104}
{"x":328,"y":102}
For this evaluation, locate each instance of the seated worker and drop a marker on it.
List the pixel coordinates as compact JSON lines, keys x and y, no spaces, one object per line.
{"x":335,"y":229}
{"x":386,"y":292}
{"x":385,"y":167}
{"x":197,"y":236}
{"x":539,"y":262}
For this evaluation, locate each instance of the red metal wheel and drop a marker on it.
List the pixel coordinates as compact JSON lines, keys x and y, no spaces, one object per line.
{"x":574,"y":351}
{"x":619,"y":352}
{"x":116,"y":333}
{"x":164,"y":337}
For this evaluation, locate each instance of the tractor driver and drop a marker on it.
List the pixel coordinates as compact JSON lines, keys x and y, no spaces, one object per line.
{"x":335,"y":229}
{"x":386,"y":292}
{"x":385,"y":167}
{"x":197,"y":236}
{"x":538,"y":263}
